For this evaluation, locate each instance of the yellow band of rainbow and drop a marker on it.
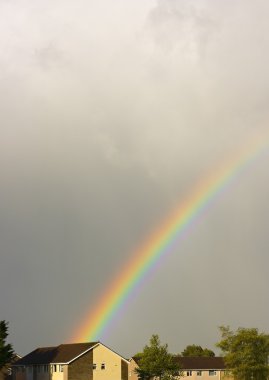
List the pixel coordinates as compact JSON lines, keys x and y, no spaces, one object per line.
{"x":98,"y":318}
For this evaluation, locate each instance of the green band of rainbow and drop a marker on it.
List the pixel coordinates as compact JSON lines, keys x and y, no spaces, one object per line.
{"x":115,"y":296}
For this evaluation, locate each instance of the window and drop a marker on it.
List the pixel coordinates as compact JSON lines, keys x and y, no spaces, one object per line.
{"x":199,"y":373}
{"x":94,"y":366}
{"x":212,"y":373}
{"x":189,"y":373}
{"x":103,"y":366}
{"x":54,"y":367}
{"x":61,"y":368}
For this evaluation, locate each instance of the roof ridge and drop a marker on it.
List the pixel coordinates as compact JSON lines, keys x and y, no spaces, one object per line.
{"x":77,"y":343}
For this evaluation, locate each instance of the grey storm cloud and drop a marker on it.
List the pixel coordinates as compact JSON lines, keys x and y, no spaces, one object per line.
{"x":111,"y":113}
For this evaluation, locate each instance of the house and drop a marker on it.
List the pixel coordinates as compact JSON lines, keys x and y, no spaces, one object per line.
{"x":132,"y":367}
{"x":194,"y":368}
{"x":203,"y":368}
{"x":78,"y":361}
{"x":6,"y":372}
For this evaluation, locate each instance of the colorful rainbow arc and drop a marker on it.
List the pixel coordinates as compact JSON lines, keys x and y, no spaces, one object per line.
{"x":150,"y":253}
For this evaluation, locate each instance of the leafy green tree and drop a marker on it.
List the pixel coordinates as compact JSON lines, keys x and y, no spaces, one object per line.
{"x":194,"y":350}
{"x":208,"y":353}
{"x":156,"y":361}
{"x":6,"y":350}
{"x":245,"y":353}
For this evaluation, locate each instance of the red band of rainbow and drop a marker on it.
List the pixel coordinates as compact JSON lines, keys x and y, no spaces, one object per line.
{"x":99,"y":318}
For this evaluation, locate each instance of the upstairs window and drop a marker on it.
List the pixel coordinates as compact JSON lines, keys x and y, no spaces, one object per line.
{"x":94,"y":366}
{"x":199,"y":373}
{"x":189,"y":373}
{"x":103,"y":366}
{"x":212,"y":373}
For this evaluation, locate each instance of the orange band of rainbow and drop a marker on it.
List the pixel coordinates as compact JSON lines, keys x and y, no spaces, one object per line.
{"x":99,"y":317}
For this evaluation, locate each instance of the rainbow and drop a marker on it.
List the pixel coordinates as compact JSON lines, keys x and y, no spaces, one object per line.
{"x":100,"y":317}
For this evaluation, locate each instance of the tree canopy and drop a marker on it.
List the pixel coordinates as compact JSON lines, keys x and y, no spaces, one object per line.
{"x":156,"y":361}
{"x":6,"y":350}
{"x":194,"y":350}
{"x":245,"y":352}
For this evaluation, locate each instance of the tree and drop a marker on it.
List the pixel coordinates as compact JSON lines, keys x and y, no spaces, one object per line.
{"x":6,"y":350}
{"x":245,"y":352}
{"x":156,"y":361}
{"x":194,"y":350}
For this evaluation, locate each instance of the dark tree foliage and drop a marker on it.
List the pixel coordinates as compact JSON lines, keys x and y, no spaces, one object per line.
{"x":194,"y":351}
{"x":245,"y":353}
{"x":6,"y":350}
{"x":155,"y":361}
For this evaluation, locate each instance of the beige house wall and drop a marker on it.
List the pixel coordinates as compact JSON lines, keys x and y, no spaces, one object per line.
{"x":38,"y":373}
{"x":132,"y":373}
{"x":220,"y":375}
{"x":204,"y":375}
{"x":66,"y":372}
{"x":82,"y":368}
{"x":112,"y":362}
{"x":54,"y":375}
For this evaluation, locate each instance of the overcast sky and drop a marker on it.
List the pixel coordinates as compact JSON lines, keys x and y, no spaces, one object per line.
{"x":110,"y":113}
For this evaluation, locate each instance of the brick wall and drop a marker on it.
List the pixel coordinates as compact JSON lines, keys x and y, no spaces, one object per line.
{"x":81,"y":369}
